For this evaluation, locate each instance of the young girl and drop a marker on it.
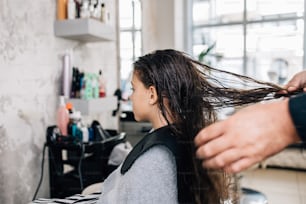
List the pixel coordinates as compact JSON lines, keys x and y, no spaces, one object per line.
{"x":178,"y":96}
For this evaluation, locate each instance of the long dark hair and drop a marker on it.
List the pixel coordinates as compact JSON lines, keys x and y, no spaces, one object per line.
{"x":194,"y":92}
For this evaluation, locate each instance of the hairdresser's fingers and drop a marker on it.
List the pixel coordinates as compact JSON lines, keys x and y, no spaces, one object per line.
{"x":298,"y":81}
{"x":209,"y":133}
{"x":292,"y":88}
{"x":241,"y":164}
{"x":292,"y":84}
{"x":223,"y":159}
{"x":214,"y":147}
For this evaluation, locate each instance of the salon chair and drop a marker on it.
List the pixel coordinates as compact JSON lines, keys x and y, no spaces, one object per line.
{"x":250,"y":196}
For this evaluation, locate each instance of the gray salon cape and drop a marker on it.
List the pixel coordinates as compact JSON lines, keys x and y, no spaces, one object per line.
{"x":148,"y":175}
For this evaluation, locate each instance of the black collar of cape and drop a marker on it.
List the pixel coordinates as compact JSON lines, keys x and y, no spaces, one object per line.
{"x":162,"y":136}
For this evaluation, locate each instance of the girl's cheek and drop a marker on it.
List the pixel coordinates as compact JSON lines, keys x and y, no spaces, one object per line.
{"x":131,"y":96}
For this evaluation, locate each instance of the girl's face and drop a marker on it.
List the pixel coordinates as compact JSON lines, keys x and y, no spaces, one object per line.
{"x":140,"y":99}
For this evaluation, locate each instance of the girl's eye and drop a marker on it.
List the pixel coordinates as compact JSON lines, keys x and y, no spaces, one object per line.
{"x":132,"y":89}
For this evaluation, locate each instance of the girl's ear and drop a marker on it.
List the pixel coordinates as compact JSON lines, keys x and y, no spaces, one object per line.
{"x":152,"y":95}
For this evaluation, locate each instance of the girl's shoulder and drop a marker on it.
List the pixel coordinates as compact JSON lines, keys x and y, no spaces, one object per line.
{"x":157,"y":163}
{"x":157,"y":155}
{"x":161,"y":142}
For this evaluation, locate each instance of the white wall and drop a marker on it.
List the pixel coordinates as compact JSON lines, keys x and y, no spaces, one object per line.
{"x":30,"y":70}
{"x":163,"y":25}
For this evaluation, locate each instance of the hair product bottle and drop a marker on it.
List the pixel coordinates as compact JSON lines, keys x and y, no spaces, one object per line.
{"x":66,"y":76}
{"x":102,"y":89}
{"x":61,"y":9}
{"x":71,"y":9}
{"x":85,"y":13}
{"x":62,"y":117}
{"x":105,"y":15}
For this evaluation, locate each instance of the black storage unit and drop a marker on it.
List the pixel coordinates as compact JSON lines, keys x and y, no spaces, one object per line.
{"x":88,"y":162}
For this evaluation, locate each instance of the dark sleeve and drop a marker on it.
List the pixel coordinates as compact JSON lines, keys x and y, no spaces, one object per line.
{"x":297,"y":108}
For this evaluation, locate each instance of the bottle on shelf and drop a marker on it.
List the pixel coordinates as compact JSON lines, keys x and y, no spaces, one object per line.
{"x":69,"y":107}
{"x":85,"y":13}
{"x":87,"y":88}
{"x":92,"y":4}
{"x":78,"y":5}
{"x":75,"y":125}
{"x":85,"y":133}
{"x":105,"y":15}
{"x":97,"y":10}
{"x":62,"y":117}
{"x":77,"y":128}
{"x":66,"y":75}
{"x":95,"y":86}
{"x":61,"y":9}
{"x":71,"y":9}
{"x":102,"y":85}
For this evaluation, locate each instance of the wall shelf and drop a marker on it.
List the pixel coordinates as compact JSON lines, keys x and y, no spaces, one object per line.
{"x":84,"y":29}
{"x":96,"y":105}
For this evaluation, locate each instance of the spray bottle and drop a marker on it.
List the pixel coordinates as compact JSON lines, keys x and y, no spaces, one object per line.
{"x":62,"y":117}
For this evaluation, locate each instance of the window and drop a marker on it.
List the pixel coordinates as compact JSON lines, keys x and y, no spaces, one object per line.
{"x":260,"y":38}
{"x":130,"y":39}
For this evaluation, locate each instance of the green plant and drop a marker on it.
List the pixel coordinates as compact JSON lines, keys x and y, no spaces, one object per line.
{"x":205,"y":52}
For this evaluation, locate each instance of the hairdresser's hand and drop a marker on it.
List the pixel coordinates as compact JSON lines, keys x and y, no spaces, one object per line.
{"x":298,"y":81}
{"x":249,"y":136}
